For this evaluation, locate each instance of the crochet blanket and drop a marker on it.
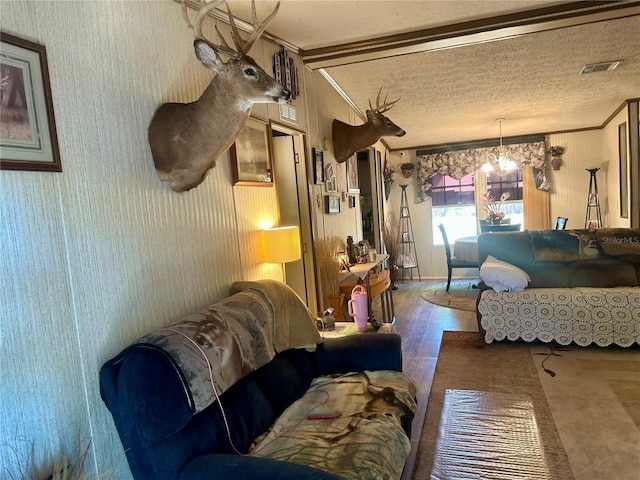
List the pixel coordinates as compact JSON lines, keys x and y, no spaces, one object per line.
{"x":222,"y":343}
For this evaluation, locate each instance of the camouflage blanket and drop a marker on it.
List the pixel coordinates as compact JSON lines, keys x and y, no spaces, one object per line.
{"x":226,"y":341}
{"x":366,"y":442}
{"x":574,"y":245}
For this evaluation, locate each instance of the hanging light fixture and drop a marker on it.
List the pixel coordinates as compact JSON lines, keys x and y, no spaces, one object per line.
{"x":503,"y":162}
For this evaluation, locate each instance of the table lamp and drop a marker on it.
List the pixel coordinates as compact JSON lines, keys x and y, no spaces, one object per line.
{"x":281,"y":244}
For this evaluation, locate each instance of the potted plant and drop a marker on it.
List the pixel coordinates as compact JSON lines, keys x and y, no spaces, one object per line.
{"x":495,"y":215}
{"x":391,"y":239}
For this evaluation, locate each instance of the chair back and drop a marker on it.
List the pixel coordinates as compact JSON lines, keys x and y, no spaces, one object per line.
{"x":561,"y":223}
{"x":447,"y":247}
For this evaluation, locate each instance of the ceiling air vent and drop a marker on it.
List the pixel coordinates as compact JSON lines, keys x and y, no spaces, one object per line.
{"x":600,"y":67}
{"x":288,"y":112}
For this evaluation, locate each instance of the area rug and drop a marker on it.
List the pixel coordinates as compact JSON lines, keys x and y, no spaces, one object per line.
{"x":461,"y":295}
{"x":465,"y":362}
{"x":611,"y":376}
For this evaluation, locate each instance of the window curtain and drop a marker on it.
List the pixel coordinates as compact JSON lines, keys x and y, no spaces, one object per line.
{"x":458,"y":163}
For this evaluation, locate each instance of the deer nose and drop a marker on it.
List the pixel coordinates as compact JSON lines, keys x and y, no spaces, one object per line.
{"x":286,"y":94}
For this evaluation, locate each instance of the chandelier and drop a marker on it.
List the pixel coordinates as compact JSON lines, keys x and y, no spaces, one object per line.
{"x":502,"y":160}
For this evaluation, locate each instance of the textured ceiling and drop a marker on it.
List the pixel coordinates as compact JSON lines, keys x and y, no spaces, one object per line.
{"x":456,"y":94}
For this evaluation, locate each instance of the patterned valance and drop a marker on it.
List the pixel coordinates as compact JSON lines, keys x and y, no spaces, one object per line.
{"x":458,"y":163}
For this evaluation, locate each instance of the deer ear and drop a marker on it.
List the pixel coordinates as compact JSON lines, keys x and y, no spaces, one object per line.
{"x":370,"y":115}
{"x":208,"y":55}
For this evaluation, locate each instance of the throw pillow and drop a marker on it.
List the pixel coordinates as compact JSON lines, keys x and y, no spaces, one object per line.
{"x":502,"y":276}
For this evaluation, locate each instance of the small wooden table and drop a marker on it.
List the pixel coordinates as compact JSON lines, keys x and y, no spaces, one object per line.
{"x":362,"y":272}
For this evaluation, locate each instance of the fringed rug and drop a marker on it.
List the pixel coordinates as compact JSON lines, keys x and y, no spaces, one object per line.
{"x":461,"y":295}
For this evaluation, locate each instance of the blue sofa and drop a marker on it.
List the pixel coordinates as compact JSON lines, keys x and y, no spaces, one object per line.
{"x":154,"y":398}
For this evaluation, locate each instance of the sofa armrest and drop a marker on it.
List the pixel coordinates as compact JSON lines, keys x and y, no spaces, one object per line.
{"x":207,"y":467}
{"x":355,"y":353}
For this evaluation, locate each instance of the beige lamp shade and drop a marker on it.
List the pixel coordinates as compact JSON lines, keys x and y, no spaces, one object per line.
{"x":281,"y":244}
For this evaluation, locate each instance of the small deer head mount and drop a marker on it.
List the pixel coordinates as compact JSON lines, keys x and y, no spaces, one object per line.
{"x":348,"y":139}
{"x":187,"y":139}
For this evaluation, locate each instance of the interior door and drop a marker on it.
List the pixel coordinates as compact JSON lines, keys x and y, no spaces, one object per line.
{"x":290,"y":178}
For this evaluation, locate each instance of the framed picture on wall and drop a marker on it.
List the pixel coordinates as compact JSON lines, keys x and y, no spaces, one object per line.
{"x":28,"y":138}
{"x":251,"y":156}
{"x":353,"y":185}
{"x":318,"y":166}
{"x":333,"y":204}
{"x":330,"y":178}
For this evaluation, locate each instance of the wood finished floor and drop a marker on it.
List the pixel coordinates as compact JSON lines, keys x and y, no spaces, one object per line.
{"x":421,"y":325}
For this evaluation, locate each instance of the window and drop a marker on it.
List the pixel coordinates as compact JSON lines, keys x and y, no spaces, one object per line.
{"x":454,"y":202}
{"x":453,"y":205}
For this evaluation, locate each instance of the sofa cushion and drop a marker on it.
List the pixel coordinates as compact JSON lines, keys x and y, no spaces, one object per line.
{"x":548,"y":275}
{"x":602,"y":273}
{"x":502,"y":276}
{"x":286,"y":378}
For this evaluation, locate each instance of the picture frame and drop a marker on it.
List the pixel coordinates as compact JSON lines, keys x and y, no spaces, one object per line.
{"x":250,"y":154}
{"x":28,"y":136}
{"x":331,"y":184}
{"x":353,"y":185}
{"x":333,"y":204}
{"x":318,"y":166}
{"x":624,"y":170}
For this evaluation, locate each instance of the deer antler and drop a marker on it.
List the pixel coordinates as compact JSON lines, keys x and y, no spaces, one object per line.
{"x":385,"y":106}
{"x":242,"y":46}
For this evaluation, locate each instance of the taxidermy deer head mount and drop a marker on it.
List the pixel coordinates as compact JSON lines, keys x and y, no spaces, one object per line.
{"x":187,"y":139}
{"x":348,"y":139}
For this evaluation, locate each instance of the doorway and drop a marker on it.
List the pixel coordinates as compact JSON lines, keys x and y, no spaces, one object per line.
{"x":371,"y":203}
{"x":290,"y":178}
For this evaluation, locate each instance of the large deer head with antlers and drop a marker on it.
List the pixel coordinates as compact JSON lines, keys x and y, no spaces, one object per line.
{"x":348,"y":139}
{"x":187,"y":139}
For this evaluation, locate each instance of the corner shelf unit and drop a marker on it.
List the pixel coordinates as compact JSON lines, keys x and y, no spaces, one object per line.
{"x":407,"y":258}
{"x":593,"y":202}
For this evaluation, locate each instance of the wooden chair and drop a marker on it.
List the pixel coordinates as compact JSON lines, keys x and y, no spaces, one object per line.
{"x":452,"y":261}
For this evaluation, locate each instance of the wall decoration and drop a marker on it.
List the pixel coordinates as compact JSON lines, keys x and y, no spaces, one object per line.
{"x":624,"y":166}
{"x":183,"y":165}
{"x":28,"y":138}
{"x":331,"y":184}
{"x":333,"y":204}
{"x":286,"y":73}
{"x":352,"y":175}
{"x":251,"y":156}
{"x":318,"y":166}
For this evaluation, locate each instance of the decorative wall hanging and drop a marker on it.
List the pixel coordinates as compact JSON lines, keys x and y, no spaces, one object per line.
{"x":556,"y":157}
{"x":286,"y":73}
{"x":250,"y":156}
{"x":407,"y":169}
{"x":353,"y":185}
{"x":318,"y":166}
{"x":28,"y":138}
{"x":348,"y":139}
{"x":214,"y":121}
{"x":332,"y":204}
{"x":459,"y":163}
{"x":330,"y":182}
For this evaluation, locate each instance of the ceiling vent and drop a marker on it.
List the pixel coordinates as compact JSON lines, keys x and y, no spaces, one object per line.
{"x":288,"y":112}
{"x":600,"y":67}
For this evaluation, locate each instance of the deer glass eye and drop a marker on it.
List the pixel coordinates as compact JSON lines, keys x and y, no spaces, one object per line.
{"x":250,"y":72}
